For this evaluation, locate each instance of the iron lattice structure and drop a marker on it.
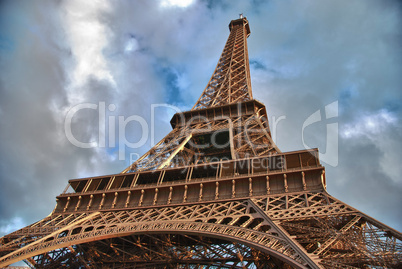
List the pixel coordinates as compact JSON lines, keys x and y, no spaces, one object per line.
{"x":216,"y":192}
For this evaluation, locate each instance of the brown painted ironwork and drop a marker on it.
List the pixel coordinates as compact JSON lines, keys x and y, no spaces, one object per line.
{"x":216,"y":192}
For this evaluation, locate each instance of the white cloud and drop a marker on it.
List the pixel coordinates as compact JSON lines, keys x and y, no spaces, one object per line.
{"x":176,"y":3}
{"x":131,"y":45}
{"x":88,"y":36}
{"x":370,"y":125}
{"x":11,"y":225}
{"x":379,"y":130}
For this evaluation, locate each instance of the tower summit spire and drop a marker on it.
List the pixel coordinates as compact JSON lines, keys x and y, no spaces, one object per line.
{"x":230,"y":82}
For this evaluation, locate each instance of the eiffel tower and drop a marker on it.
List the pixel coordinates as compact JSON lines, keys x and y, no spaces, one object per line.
{"x":216,"y":192}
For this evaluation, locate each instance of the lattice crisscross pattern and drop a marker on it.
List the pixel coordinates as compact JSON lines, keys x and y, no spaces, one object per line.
{"x":230,"y":82}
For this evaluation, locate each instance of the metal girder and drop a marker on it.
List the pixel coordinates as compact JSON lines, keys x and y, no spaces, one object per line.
{"x":339,"y":231}
{"x":110,"y":225}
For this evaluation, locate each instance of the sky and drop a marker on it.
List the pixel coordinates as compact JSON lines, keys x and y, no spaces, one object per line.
{"x":87,"y":85}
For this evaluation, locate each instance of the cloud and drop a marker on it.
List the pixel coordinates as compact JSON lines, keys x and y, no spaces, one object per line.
{"x":303,"y":55}
{"x":176,"y":3}
{"x":382,"y":130}
{"x":370,"y":126}
{"x":87,"y":36}
{"x":10,"y":225}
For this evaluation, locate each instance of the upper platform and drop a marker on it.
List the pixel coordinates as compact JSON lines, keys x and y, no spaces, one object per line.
{"x":242,"y":22}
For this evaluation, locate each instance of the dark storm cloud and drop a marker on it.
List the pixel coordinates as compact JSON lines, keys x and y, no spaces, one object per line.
{"x":303,"y":55}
